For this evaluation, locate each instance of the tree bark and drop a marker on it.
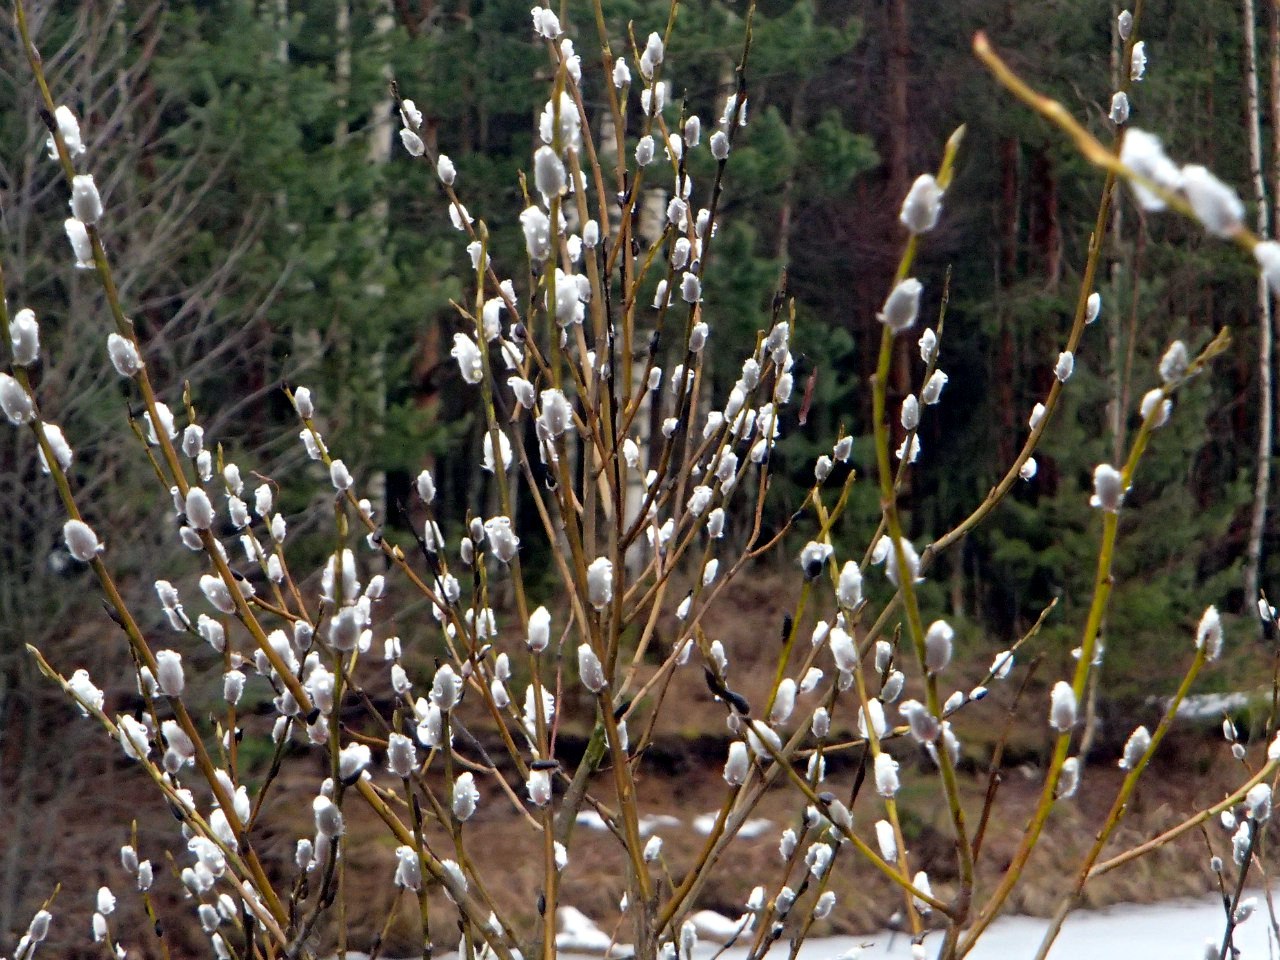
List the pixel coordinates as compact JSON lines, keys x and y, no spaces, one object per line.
{"x":1262,"y":482}
{"x":899,"y":49}
{"x":1046,"y":232}
{"x":1008,"y":265}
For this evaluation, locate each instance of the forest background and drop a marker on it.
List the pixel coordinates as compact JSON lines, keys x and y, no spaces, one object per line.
{"x":268,"y":225}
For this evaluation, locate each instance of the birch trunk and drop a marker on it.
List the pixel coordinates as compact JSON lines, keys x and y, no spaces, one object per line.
{"x":1262,"y":484}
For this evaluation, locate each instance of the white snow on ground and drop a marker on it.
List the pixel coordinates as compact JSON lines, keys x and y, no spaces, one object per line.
{"x":717,"y":927}
{"x":1173,"y":930}
{"x":1214,"y":706}
{"x":591,"y":820}
{"x":755,"y":827}
{"x":579,"y":934}
{"x":1162,"y":931}
{"x":658,"y":821}
{"x":704,"y":823}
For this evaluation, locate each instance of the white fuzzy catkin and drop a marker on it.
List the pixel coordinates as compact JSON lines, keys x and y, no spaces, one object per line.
{"x":1108,"y":488}
{"x":820,"y":725}
{"x":1143,"y":153}
{"x":538,"y":787}
{"x":1156,"y":407}
{"x":470,"y":362}
{"x":233,"y":686}
{"x":1214,"y":203}
{"x":1138,"y":61}
{"x":352,"y":761}
{"x":24,"y":334}
{"x":893,"y":685}
{"x":1062,"y":707}
{"x":86,"y":205}
{"x":910,"y":416}
{"x":328,"y":818}
{"x":402,"y":755}
{"x":69,"y":130}
{"x":539,"y":629}
{"x":1119,"y":111}
{"x":928,"y":344}
{"x":1002,"y":665}
{"x":784,"y":702}
{"x":590,"y":669}
{"x":537,"y":233}
{"x":849,"y":586}
{"x":81,"y":246}
{"x":709,"y":572}
{"x":886,"y":841}
{"x":124,"y":355}
{"x":932,"y":391}
{"x":885,"y":553}
{"x":445,"y":170}
{"x":600,"y":582}
{"x":1258,"y":802}
{"x":58,"y":446}
{"x":217,"y":594}
{"x":937,"y":646}
{"x":557,"y":413}
{"x":1134,"y":748}
{"x":902,"y":306}
{"x":38,"y":929}
{"x":1267,"y":253}
{"x":886,"y":772}
{"x":922,"y":205}
{"x":1069,"y":779}
{"x":169,"y":673}
{"x":1209,"y":634}
{"x":549,"y":174}
{"x":86,"y":693}
{"x":1175,"y":362}
{"x":487,"y":461}
{"x":465,"y":796}
{"x":874,"y":709}
{"x":1065,"y":366}
{"x":15,"y":401}
{"x":412,"y":142}
{"x":163,"y":423}
{"x":410,"y":114}
{"x":843,"y":649}
{"x":921,"y":882}
{"x":134,"y":739}
{"x":813,"y":556}
{"x":446,"y":688}
{"x":82,"y":543}
{"x":199,"y":509}
{"x":736,"y":767}
{"x":502,"y":539}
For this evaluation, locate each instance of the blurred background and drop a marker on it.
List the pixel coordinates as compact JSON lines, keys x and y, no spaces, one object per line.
{"x":266,"y":226}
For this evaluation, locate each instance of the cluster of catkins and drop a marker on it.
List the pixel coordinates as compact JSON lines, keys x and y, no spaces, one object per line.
{"x":689,"y":477}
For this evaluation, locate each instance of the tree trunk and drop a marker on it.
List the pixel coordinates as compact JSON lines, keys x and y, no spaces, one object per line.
{"x":381,"y":138}
{"x":1262,"y":483}
{"x":899,"y":47}
{"x":1046,"y":232}
{"x":786,"y":214}
{"x":1008,"y":265}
